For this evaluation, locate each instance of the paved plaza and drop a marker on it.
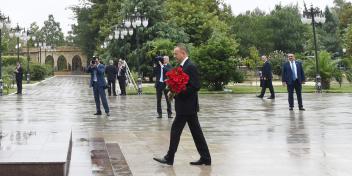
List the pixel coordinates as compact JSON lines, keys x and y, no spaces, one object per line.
{"x":247,"y":136}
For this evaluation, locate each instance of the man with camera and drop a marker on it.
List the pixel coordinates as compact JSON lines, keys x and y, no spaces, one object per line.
{"x":161,"y":66}
{"x":97,"y":81}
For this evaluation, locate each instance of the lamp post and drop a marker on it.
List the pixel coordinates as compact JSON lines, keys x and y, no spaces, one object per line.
{"x":4,"y":22}
{"x":17,"y":33}
{"x":26,"y":36}
{"x":313,"y":16}
{"x":137,"y":21}
{"x":40,"y":45}
{"x":52,"y":49}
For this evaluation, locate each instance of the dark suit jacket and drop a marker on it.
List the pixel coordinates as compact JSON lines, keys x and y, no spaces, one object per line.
{"x":111,"y":72}
{"x":122,"y":74}
{"x":287,"y":73}
{"x":100,"y":69}
{"x":157,"y":71}
{"x":267,"y":71}
{"x":186,"y":102}
{"x":19,"y":74}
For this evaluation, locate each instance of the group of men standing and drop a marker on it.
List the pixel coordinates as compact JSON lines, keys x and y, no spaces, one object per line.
{"x":114,"y":73}
{"x":187,"y":102}
{"x":292,"y":77}
{"x":98,"y":83}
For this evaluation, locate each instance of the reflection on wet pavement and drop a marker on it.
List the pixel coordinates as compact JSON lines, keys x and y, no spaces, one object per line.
{"x":247,"y":136}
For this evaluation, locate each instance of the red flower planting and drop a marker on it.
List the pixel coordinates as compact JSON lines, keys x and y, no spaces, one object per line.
{"x":177,"y":80}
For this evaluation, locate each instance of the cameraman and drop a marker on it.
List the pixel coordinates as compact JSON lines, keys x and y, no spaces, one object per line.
{"x":98,"y":83}
{"x":160,"y":68}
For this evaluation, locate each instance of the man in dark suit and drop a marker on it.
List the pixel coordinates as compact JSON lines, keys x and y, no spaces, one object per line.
{"x":111,"y":73}
{"x":186,"y":107}
{"x":160,"y":86}
{"x":266,"y":79}
{"x":19,"y":78}
{"x":121,"y":75}
{"x":97,"y":81}
{"x":293,"y":77}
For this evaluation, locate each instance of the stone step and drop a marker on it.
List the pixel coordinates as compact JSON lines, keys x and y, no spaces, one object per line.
{"x":101,"y":165}
{"x":118,"y":161}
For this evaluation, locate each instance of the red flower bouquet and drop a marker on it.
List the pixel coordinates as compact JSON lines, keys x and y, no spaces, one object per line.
{"x":176,"y":82}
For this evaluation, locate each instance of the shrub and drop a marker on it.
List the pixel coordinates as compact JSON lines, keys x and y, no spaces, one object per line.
{"x":328,"y":69}
{"x":239,"y":76}
{"x":277,"y":59}
{"x":216,"y":60}
{"x":38,"y":72}
{"x":12,"y":60}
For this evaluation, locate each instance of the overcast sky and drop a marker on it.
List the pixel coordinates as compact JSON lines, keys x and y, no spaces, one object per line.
{"x":25,"y":12}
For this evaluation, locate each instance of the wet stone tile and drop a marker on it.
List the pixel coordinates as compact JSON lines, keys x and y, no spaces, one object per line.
{"x":246,"y":136}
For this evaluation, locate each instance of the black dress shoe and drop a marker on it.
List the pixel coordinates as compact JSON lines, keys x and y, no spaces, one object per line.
{"x":201,"y":162}
{"x":271,"y":98}
{"x":159,"y":116}
{"x":97,"y":113}
{"x":164,"y":161}
{"x":302,"y":109}
{"x":169,"y":116}
{"x":258,"y":96}
{"x":291,"y":109}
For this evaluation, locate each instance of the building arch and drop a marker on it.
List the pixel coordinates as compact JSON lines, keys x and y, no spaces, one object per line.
{"x":61,"y":63}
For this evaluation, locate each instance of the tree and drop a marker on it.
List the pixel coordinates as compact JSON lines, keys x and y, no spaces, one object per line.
{"x":329,"y":35}
{"x":253,"y":29}
{"x":288,"y":29}
{"x":348,"y":40}
{"x":328,"y":69}
{"x":52,"y":32}
{"x":86,"y":33}
{"x":194,"y":17}
{"x":216,"y":60}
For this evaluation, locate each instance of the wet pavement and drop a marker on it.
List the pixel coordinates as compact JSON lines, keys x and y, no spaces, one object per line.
{"x":247,"y":136}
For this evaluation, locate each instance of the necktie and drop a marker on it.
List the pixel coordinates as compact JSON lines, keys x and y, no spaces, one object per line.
{"x":293,"y":71}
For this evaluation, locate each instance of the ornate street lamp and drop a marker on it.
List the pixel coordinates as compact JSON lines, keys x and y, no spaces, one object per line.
{"x":314,"y":16}
{"x":134,"y":21}
{"x":40,"y":45}
{"x":137,"y":21}
{"x":4,"y":22}
{"x":28,"y":35}
{"x":17,"y":33}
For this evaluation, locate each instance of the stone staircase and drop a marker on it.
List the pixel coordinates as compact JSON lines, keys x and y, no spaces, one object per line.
{"x":107,"y":159}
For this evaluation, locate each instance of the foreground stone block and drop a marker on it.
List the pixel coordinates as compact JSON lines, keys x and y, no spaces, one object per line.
{"x":33,"y":153}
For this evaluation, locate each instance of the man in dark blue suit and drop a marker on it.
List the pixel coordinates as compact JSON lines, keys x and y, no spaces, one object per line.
{"x":97,"y":81}
{"x":266,"y":79}
{"x":293,"y":77}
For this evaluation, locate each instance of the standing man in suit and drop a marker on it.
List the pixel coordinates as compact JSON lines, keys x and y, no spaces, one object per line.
{"x":266,"y":79}
{"x":186,"y":107}
{"x":121,"y":75}
{"x":19,"y":78}
{"x":111,"y":73}
{"x":293,"y":77}
{"x":97,"y":81}
{"x":160,"y":86}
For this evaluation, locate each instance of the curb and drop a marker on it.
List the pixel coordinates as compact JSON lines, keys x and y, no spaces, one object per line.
{"x":26,"y":85}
